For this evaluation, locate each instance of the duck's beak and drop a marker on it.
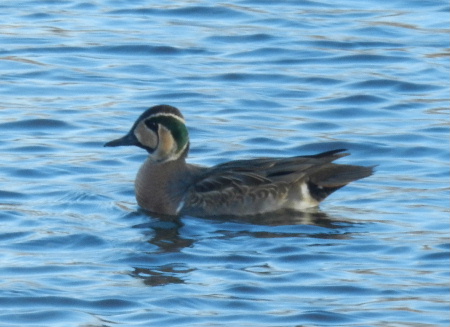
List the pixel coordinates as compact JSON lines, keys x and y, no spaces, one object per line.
{"x":128,"y":139}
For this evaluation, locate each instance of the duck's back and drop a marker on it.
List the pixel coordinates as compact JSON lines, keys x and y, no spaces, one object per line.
{"x":248,"y":187}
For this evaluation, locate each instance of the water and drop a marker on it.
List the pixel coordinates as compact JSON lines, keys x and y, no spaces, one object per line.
{"x":252,"y":78}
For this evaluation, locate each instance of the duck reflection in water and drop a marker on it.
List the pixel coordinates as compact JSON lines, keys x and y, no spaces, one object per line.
{"x":167,"y":236}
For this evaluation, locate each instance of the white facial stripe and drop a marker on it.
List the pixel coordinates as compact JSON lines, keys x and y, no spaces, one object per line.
{"x":167,"y":114}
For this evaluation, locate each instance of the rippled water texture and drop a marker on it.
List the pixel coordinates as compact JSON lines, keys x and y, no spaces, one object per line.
{"x":253,"y":78}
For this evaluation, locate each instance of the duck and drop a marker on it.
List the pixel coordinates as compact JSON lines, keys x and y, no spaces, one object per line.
{"x":166,"y":184}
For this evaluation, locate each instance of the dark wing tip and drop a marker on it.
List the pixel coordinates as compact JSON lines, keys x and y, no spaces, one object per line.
{"x":331,"y":153}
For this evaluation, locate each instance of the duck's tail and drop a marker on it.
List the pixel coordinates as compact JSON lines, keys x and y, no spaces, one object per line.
{"x":332,"y":177}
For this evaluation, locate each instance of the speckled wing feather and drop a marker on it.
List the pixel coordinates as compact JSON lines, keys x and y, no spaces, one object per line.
{"x":263,"y":171}
{"x":244,"y":183}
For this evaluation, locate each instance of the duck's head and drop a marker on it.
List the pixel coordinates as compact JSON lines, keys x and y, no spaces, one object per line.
{"x":160,"y":130}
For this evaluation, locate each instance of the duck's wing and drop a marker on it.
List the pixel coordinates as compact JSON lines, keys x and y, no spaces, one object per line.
{"x":262,"y":171}
{"x":245,"y":183}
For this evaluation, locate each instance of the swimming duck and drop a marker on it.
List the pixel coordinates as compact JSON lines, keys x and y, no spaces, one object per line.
{"x":166,"y":184}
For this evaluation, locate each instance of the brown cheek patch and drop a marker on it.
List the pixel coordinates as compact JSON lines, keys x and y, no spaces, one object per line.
{"x":146,"y":136}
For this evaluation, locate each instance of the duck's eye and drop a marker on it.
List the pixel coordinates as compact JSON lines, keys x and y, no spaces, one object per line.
{"x":152,"y":125}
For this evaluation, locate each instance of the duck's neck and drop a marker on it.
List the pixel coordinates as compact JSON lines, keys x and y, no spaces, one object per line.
{"x":159,"y":187}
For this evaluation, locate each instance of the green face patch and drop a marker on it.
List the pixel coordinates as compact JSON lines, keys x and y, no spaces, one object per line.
{"x":175,"y":126}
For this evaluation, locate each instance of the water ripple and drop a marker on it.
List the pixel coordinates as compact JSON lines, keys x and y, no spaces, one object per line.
{"x":187,"y":12}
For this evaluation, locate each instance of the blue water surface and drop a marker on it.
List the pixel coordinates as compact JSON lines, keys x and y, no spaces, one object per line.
{"x":253,"y":78}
